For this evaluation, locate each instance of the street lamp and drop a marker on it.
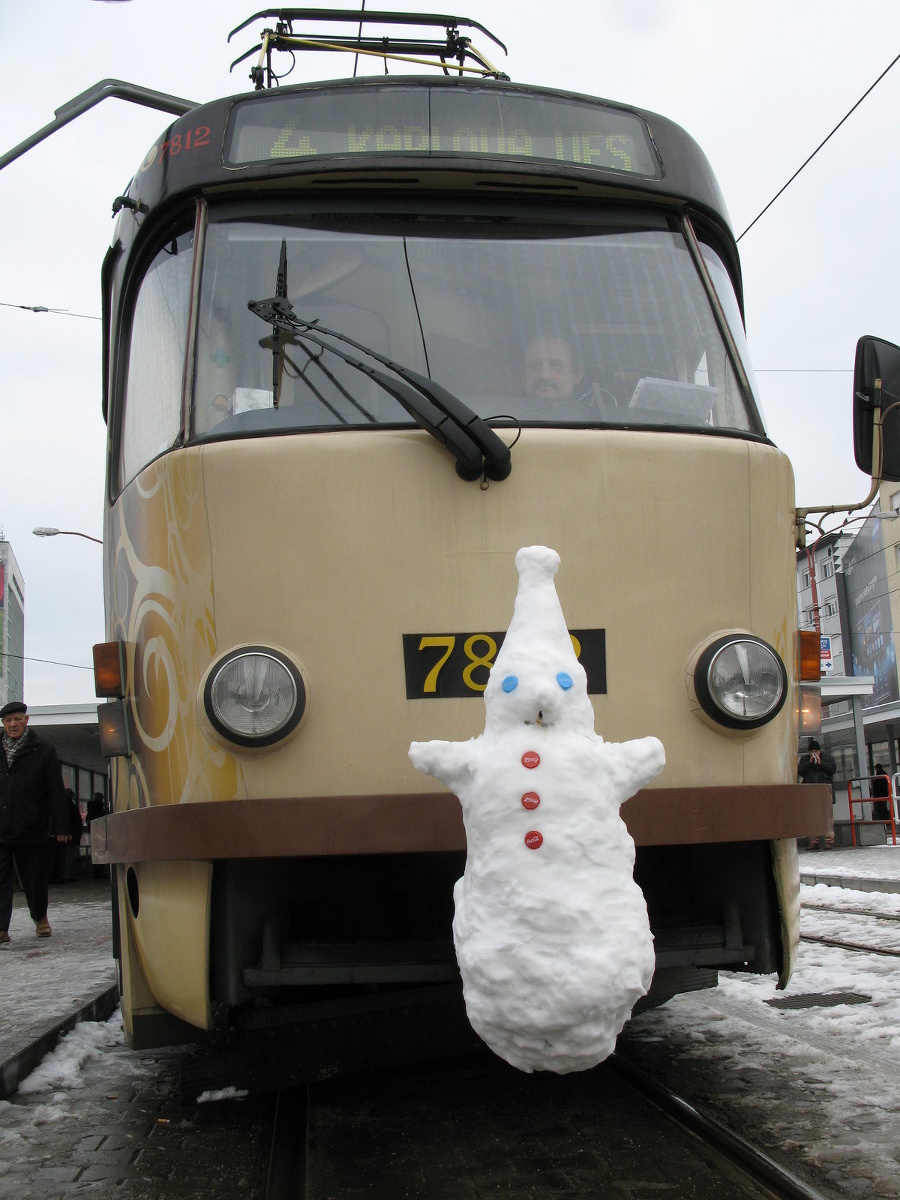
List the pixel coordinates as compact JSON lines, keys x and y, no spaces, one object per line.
{"x":45,"y":531}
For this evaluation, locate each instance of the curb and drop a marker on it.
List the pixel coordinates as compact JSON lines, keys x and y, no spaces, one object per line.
{"x":856,"y":883}
{"x":23,"y":1062}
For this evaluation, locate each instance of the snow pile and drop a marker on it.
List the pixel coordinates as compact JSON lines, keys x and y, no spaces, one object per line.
{"x":226,"y":1093}
{"x":62,"y":1068}
{"x":551,"y":931}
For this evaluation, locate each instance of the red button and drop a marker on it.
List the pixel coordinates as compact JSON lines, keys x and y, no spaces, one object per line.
{"x":533,"y":839}
{"x":531,"y":800}
{"x":530,"y":759}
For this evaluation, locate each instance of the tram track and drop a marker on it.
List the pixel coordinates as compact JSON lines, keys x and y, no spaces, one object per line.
{"x":851,"y":912}
{"x":863,"y":915}
{"x":374,"y":1136}
{"x":858,"y":947}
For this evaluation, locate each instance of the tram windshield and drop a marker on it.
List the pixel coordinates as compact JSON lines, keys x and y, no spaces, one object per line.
{"x":608,"y":325}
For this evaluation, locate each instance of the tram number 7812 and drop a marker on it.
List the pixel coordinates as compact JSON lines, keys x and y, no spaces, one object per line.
{"x":443,"y":665}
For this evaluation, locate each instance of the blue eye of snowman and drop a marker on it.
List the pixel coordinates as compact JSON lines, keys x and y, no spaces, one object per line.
{"x":510,"y":683}
{"x":564,"y":681}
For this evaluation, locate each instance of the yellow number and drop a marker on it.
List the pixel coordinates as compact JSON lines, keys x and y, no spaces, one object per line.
{"x":485,"y":660}
{"x":576,"y":646}
{"x":432,"y":677}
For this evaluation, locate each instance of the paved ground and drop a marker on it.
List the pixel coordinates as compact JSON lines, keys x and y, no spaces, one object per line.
{"x":815,"y":1086}
{"x":106,"y":1121}
{"x":44,"y":981}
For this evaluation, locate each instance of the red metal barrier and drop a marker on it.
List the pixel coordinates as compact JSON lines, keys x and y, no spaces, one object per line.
{"x":888,"y":800}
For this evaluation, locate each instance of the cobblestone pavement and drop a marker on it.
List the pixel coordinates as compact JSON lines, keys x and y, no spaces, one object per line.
{"x":124,"y":1133}
{"x":44,"y":980}
{"x":107,"y":1121}
{"x":820,"y":1095}
{"x":112,"y":1123}
{"x":776,"y":1088}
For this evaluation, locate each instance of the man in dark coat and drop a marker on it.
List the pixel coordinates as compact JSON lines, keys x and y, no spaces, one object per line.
{"x":32,"y":804}
{"x":817,"y":766}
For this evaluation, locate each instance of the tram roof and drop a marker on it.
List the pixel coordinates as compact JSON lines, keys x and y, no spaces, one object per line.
{"x":409,"y":122}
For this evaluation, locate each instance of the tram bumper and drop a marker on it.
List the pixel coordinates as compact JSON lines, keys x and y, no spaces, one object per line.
{"x":718,"y":868}
{"x":304,"y":826}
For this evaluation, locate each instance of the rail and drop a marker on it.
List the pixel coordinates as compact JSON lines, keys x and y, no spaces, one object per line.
{"x":885,"y":797}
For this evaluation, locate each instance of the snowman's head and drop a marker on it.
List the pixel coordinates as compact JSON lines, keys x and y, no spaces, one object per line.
{"x":536,"y":678}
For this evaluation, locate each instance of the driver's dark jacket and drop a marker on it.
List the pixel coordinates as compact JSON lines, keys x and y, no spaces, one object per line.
{"x":32,"y":796}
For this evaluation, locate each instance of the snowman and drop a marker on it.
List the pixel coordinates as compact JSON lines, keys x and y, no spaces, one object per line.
{"x":551,"y":931}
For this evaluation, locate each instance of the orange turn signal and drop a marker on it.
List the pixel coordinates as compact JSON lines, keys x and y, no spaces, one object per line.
{"x":810,"y":655}
{"x":109,"y":669}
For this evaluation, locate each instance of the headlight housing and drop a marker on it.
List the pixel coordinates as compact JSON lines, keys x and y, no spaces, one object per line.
{"x":740,"y":681}
{"x":254,"y":696}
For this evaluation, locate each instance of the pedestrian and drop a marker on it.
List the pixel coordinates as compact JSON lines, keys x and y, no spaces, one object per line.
{"x":817,"y":766}
{"x":32,"y":802}
{"x":66,"y":853}
{"x":880,"y":787}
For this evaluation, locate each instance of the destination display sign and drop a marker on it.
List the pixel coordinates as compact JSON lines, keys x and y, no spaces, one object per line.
{"x":438,"y":122}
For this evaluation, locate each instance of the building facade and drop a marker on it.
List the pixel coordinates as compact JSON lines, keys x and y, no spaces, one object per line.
{"x":12,"y":626}
{"x":848,"y":588}
{"x":821,"y":599}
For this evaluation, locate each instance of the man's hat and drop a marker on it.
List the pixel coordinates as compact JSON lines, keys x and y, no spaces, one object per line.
{"x":14,"y":706}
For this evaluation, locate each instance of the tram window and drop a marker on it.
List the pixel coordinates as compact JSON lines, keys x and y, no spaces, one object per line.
{"x":464,"y":304}
{"x":725,"y":291}
{"x":156,"y":358}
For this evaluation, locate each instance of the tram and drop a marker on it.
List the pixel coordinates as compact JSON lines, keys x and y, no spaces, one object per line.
{"x":363,"y":339}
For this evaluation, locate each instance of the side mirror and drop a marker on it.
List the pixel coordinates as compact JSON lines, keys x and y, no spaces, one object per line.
{"x":876,"y":385}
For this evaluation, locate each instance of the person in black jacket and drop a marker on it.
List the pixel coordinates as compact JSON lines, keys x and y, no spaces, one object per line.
{"x":32,"y":803}
{"x":881,"y":786}
{"x":817,"y":766}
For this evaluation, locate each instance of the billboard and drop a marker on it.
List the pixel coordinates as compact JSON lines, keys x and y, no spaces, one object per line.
{"x":869,"y":614}
{"x":826,"y":660}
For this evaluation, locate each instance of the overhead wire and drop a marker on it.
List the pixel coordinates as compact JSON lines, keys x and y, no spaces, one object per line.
{"x":359,"y":36}
{"x":52,"y":661}
{"x":820,"y":145}
{"x":42,"y":308}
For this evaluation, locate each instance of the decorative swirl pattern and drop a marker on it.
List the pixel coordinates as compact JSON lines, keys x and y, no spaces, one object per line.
{"x":159,"y":589}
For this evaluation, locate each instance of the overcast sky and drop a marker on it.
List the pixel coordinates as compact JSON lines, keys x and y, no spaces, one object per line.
{"x":759,"y":85}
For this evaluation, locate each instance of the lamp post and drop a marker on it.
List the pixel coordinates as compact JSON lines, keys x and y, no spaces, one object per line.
{"x":46,"y":531}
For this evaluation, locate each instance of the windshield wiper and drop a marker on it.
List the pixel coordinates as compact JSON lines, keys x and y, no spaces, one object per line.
{"x":478,"y":450}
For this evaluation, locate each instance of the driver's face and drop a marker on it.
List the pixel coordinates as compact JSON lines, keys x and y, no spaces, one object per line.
{"x":550,"y":370}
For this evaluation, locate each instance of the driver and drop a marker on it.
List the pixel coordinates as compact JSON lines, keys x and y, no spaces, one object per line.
{"x":552,"y":370}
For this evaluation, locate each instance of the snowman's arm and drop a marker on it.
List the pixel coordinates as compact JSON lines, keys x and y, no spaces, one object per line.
{"x":450,"y":762}
{"x":634,"y":764}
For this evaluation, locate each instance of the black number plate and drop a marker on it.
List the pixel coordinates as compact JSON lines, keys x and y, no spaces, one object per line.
{"x":441,"y":665}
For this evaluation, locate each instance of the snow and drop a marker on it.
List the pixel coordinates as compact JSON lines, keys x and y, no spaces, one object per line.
{"x":551,"y":931}
{"x":816,"y":1082}
{"x":63,"y":1067}
{"x":44,"y":980}
{"x":225,"y":1093}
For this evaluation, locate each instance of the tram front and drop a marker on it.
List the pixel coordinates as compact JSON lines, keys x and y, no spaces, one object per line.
{"x":365,"y":341}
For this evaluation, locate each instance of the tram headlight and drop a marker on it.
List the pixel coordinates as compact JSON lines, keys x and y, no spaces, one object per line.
{"x":255,"y":696}
{"x":740,"y":681}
